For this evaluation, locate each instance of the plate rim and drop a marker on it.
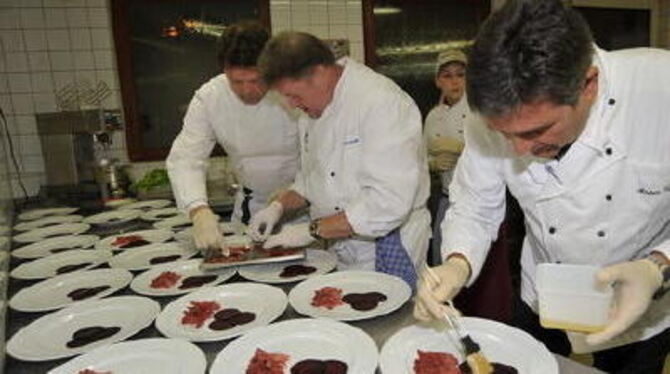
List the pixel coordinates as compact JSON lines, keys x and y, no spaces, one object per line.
{"x":60,"y":254}
{"x":166,"y":267}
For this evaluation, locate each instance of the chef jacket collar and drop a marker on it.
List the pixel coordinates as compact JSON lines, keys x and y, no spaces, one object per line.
{"x":338,"y":93}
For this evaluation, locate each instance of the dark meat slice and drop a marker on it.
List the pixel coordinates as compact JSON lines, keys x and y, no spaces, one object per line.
{"x":89,"y":335}
{"x":296,"y":270}
{"x":129,"y":241}
{"x":311,"y":366}
{"x":71,"y":268}
{"x":182,"y":226}
{"x":364,"y":301}
{"x":59,"y":250}
{"x":86,"y":292}
{"x":196,"y":281}
{"x":89,"y":371}
{"x":166,"y":279}
{"x":229,"y":318}
{"x":327,"y":297}
{"x":135,"y":244}
{"x":267,"y":363}
{"x":164,"y":259}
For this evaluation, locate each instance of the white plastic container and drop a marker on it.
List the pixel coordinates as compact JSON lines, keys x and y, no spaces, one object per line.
{"x":571,"y":299}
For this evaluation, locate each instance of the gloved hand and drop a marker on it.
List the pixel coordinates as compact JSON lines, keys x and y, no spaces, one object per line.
{"x":635,"y":284}
{"x":438,"y":285}
{"x":264,"y":221}
{"x":444,"y":161}
{"x":290,"y":236}
{"x":442,"y":144}
{"x":206,"y":232}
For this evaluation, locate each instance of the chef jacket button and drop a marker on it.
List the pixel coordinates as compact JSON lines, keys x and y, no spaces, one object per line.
{"x":608,"y":197}
{"x":332,"y":173}
{"x":337,"y":208}
{"x":601,"y":233}
{"x":552,"y":230}
{"x":464,"y":116}
{"x":608,"y":151}
{"x":611,"y":101}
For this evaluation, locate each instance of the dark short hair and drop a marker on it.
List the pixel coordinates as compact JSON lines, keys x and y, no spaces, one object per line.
{"x":241,"y":44}
{"x":293,"y":55}
{"x":528,"y":51}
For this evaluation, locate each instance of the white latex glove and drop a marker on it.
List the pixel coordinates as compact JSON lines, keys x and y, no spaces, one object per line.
{"x":206,"y":232}
{"x":290,"y":236}
{"x":635,"y":283}
{"x":439,"y":285}
{"x":264,"y":221}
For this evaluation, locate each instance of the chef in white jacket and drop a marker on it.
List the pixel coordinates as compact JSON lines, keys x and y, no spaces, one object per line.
{"x":363,"y":171}
{"x":581,"y":137}
{"x":258,"y":133}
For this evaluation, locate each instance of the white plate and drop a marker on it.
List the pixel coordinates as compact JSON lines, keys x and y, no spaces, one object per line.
{"x":52,"y":293}
{"x":46,"y":221}
{"x":267,"y":302}
{"x":161,"y":214}
{"x":113,"y":217}
{"x":174,"y":223}
{"x":139,"y":258}
{"x":152,"y":236}
{"x":147,"y":204}
{"x":46,"y":232}
{"x":115,"y":203}
{"x":40,"y":213}
{"x":4,"y":229}
{"x":302,"y":339}
{"x":146,"y":356}
{"x":396,"y":290}
{"x":47,"y":267}
{"x":227,"y":228}
{"x":142,"y":283}
{"x":323,"y":261}
{"x":4,"y":243}
{"x":499,"y":343}
{"x":44,"y":247}
{"x":45,"y":338}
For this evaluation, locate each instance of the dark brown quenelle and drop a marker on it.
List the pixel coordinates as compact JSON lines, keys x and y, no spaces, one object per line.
{"x":71,"y":268}
{"x":86,"y":292}
{"x":88,"y":335}
{"x":196,"y":281}
{"x":135,"y":243}
{"x":498,"y":368}
{"x":311,"y":366}
{"x":296,"y":270}
{"x":164,"y":259}
{"x":364,"y":301}
{"x":229,"y":318}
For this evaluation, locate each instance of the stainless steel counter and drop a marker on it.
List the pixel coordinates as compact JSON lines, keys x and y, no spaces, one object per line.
{"x":380,"y":328}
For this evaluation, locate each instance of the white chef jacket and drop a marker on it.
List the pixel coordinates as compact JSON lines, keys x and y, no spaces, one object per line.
{"x":261,"y":141}
{"x":606,"y":201}
{"x":365,"y":156}
{"x":448,"y":121}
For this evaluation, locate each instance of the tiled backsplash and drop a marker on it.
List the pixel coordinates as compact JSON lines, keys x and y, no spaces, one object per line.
{"x":47,"y":45}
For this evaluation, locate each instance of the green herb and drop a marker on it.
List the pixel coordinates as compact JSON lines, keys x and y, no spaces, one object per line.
{"x":153,"y":179}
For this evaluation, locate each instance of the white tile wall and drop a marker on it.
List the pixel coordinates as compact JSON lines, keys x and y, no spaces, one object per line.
{"x":48,"y":44}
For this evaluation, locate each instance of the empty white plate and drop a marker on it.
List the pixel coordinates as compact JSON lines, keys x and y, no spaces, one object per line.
{"x":498,"y":342}
{"x":146,"y":356}
{"x":53,"y":293}
{"x":47,"y":232}
{"x":397,"y":292}
{"x":147,"y":204}
{"x":152,"y":236}
{"x":46,"y":337}
{"x":113,"y":217}
{"x":43,"y":212}
{"x":50,"y":266}
{"x":47,"y":221}
{"x":322,"y":261}
{"x":152,"y":255}
{"x":302,"y":339}
{"x":50,"y":246}
{"x":160,"y":214}
{"x":266,"y":302}
{"x":183,"y":269}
